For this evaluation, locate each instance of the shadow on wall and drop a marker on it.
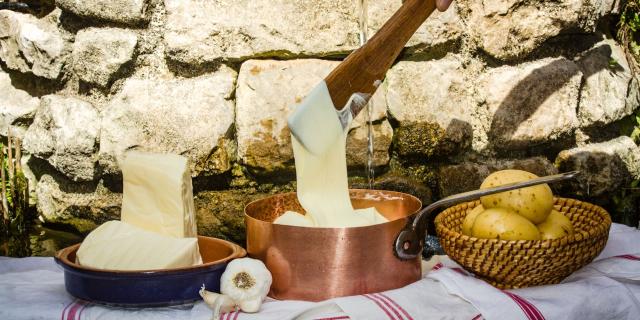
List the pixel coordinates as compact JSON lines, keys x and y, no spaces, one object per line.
{"x":531,"y":92}
{"x":603,"y":180}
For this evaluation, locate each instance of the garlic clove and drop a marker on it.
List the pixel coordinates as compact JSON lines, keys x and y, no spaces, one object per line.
{"x":208,"y":296}
{"x":219,"y":303}
{"x":251,"y":305}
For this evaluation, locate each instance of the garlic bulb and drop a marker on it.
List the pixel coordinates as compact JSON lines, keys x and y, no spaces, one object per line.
{"x":218,"y":302}
{"x":247,"y":281}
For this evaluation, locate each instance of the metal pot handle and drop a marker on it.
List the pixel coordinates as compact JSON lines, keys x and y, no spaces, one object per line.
{"x":410,"y":240}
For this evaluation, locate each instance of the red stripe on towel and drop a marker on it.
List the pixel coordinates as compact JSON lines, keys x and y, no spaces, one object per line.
{"x":437,"y":266}
{"x":236,"y":315}
{"x":529,"y":309}
{"x":404,"y":312}
{"x":228,"y":315}
{"x":334,"y":318}
{"x":387,"y":304}
{"x":380,"y":306}
{"x":64,"y":311}
{"x":71,"y":315}
{"x":526,"y":311}
{"x":629,"y":256}
{"x":82,"y":310}
{"x":460,"y":271}
{"x":478,"y":317}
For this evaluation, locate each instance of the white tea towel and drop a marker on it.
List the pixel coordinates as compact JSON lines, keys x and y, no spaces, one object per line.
{"x":608,"y":288}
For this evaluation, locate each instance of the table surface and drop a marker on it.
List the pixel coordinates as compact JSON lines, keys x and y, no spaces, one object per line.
{"x":608,"y":288}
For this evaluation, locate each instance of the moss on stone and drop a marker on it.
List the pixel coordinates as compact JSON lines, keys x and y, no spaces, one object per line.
{"x":430,"y":139}
{"x":221,"y":213}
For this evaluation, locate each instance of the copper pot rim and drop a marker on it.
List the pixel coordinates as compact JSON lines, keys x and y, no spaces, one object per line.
{"x":351,"y":191}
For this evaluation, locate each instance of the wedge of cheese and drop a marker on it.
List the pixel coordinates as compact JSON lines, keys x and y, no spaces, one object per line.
{"x":116,"y":245}
{"x":157,"y":194}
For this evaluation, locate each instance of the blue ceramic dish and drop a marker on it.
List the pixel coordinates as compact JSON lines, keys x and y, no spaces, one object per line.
{"x":148,"y":288}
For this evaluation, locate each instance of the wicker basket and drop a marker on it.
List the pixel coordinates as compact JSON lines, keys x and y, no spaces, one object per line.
{"x":523,"y":263}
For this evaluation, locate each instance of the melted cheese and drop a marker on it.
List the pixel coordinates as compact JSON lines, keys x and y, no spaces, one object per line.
{"x":323,"y":189}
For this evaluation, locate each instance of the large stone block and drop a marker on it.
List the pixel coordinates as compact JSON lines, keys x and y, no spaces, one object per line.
{"x":65,"y":133}
{"x":121,"y":11}
{"x":509,"y":29}
{"x":531,"y":103}
{"x":204,"y":31}
{"x":82,"y":206}
{"x":98,"y":53}
{"x":433,"y":103}
{"x":191,"y":117}
{"x":267,"y":92}
{"x":28,"y":44}
{"x":357,"y":143}
{"x":609,"y":92}
{"x":604,"y":167}
{"x":468,"y":176}
{"x":221,"y":213}
{"x":17,"y":108}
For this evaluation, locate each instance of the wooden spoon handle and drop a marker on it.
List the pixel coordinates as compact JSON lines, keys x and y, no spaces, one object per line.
{"x":359,"y":71}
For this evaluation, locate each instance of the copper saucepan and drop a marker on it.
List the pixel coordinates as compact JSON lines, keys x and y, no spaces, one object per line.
{"x":315,"y":264}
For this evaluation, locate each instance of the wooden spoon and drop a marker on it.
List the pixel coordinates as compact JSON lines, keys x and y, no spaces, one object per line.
{"x":360,"y":70}
{"x":360,"y":73}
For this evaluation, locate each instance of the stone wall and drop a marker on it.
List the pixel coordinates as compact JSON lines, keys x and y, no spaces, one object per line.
{"x":485,"y":85}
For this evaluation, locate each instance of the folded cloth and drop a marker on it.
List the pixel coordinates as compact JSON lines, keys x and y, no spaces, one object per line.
{"x":608,"y":288}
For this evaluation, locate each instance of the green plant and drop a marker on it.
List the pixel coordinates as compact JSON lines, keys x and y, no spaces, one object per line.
{"x":14,"y":194}
{"x":628,"y":32}
{"x":627,"y":201}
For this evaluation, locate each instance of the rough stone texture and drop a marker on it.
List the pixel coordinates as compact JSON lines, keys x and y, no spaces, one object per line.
{"x":608,"y":93}
{"x":603,"y":167}
{"x":357,"y":145}
{"x":221,"y":213}
{"x":65,"y":132}
{"x":28,"y":44}
{"x":469,"y":175}
{"x":192,"y":117}
{"x":531,"y":103}
{"x":98,"y":53}
{"x":81,"y":205}
{"x":17,"y":108}
{"x":434,"y":116}
{"x":514,"y":28}
{"x":204,"y":31}
{"x":267,"y":92}
{"x":201,"y":31}
{"x":122,"y":11}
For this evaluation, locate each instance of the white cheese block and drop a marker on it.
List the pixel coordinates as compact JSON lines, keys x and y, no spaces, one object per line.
{"x":157,"y":194}
{"x":116,"y":245}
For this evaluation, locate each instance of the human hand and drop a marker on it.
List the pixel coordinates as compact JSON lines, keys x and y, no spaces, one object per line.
{"x":442,"y":5}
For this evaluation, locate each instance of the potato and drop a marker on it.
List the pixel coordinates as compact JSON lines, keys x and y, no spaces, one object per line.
{"x":534,"y":203}
{"x":467,"y":224}
{"x":557,"y":225}
{"x":503,"y":224}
